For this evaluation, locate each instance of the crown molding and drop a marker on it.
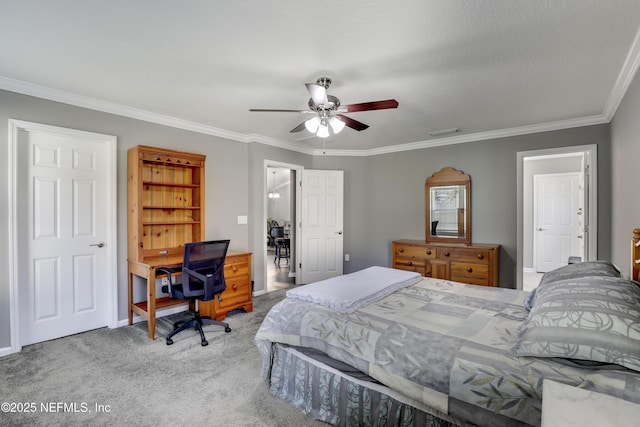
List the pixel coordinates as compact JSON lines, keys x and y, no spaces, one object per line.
{"x":479,"y":136}
{"x":44,"y":92}
{"x":254,"y":137}
{"x":627,"y":73}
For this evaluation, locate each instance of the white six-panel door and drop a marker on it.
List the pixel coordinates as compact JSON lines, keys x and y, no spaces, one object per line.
{"x":62,"y":231}
{"x":321,"y":225}
{"x":556,"y":218}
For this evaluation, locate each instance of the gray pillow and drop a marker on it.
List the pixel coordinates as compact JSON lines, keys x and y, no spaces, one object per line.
{"x":593,"y":318}
{"x":573,"y":271}
{"x":581,"y":269}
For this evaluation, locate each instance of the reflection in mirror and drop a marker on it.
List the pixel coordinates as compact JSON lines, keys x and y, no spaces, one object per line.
{"x":447,"y":211}
{"x":448,"y":203}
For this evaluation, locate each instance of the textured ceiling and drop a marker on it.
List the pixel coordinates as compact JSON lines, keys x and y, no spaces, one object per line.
{"x":490,"y":68}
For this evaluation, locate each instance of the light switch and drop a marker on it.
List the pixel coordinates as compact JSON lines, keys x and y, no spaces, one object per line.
{"x":242,"y":219}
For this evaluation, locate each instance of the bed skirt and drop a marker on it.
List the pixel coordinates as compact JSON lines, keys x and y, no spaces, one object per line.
{"x":328,"y":395}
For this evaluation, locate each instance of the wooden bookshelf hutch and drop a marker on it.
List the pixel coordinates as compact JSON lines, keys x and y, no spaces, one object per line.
{"x":166,"y":210}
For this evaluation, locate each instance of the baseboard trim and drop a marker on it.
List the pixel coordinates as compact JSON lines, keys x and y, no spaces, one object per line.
{"x":5,"y":351}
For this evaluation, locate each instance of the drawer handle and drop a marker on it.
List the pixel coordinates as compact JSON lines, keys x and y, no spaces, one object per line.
{"x":235,"y":269}
{"x":235,"y":287}
{"x":429,"y":252}
{"x":401,"y":250}
{"x":480,"y":256}
{"x":469,"y":270}
{"x":158,"y":158}
{"x":410,"y":263}
{"x":447,"y":254}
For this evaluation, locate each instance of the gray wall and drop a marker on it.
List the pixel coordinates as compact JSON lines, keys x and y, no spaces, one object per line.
{"x":227,"y":177}
{"x":384,"y":194}
{"x":625,"y":192}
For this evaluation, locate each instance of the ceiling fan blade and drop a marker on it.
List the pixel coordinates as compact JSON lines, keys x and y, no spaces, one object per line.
{"x":353,"y":124}
{"x":269,"y":110}
{"x":298,"y":128}
{"x":366,"y":106}
{"x":318,"y":94}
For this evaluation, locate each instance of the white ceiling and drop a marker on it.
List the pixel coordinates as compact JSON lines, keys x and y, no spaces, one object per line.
{"x":490,"y":68}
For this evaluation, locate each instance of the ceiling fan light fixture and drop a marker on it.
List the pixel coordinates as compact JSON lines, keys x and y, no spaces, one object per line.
{"x":312,"y":124}
{"x":336,"y":124}
{"x":323,"y":131}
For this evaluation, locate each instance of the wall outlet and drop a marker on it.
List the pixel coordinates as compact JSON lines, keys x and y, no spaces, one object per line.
{"x":347,"y":257}
{"x":165,"y":281}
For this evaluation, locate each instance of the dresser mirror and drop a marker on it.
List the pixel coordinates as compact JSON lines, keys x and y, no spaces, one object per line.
{"x":448,"y":207}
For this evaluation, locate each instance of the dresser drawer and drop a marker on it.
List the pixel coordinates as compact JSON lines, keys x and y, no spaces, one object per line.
{"x":238,"y":291}
{"x":475,"y":264}
{"x":236,"y":267}
{"x":406,"y":251}
{"x":475,"y":255}
{"x":477,"y":274}
{"x":410,"y":264}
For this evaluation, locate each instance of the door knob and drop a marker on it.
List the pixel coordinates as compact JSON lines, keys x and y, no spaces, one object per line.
{"x":541,"y":229}
{"x":101,"y":244}
{"x":339,"y":232}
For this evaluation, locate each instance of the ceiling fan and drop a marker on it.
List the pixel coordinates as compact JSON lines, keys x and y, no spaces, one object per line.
{"x":328,"y":112}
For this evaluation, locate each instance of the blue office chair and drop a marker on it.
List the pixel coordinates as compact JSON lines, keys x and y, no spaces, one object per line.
{"x":202,"y":280}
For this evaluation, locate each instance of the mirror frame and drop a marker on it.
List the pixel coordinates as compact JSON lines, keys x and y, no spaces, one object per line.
{"x":448,"y":176}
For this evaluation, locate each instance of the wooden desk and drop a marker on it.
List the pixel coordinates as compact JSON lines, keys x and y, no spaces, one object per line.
{"x":147,"y":270}
{"x":237,"y":295}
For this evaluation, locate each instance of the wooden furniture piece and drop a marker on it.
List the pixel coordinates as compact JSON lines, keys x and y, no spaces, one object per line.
{"x":165,"y":201}
{"x":165,"y":210}
{"x":448,"y":207}
{"x":635,"y":255}
{"x":476,"y":264}
{"x":237,"y":273}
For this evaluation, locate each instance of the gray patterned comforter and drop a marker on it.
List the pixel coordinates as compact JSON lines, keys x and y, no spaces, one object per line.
{"x":445,"y":344}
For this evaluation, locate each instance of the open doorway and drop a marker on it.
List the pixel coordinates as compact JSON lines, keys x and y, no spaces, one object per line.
{"x":280,"y":217}
{"x":556,"y":210}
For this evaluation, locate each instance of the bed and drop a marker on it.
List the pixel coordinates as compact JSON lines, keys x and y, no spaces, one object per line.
{"x":379,"y":347}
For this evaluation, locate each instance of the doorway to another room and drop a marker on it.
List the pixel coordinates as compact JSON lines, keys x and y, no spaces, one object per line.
{"x":557,"y":211}
{"x":280,"y":215}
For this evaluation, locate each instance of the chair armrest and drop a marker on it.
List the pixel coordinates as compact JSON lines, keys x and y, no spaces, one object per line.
{"x":169,"y":271}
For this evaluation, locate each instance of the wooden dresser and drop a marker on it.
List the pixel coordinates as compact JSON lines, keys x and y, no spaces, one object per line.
{"x":477,"y":264}
{"x":237,"y":274}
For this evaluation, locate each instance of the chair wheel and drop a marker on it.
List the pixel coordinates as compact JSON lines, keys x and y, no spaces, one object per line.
{"x":169,"y":341}
{"x":227,"y":329}
{"x":205,"y":343}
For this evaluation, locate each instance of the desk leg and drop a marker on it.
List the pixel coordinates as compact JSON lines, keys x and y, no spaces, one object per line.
{"x":151,"y":302}
{"x":130,"y":307}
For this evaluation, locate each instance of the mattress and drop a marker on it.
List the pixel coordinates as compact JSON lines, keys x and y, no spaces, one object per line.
{"x":441,"y":345}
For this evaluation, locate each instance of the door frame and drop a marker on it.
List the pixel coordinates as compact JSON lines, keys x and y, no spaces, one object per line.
{"x":15,"y":126}
{"x":296,"y":243}
{"x":536,"y":238}
{"x":591,"y":151}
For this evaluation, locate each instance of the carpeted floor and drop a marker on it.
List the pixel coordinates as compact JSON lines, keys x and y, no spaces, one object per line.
{"x":118,"y":377}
